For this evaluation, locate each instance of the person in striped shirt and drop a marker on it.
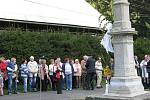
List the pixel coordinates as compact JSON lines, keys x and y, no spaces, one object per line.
{"x":24,"y":74}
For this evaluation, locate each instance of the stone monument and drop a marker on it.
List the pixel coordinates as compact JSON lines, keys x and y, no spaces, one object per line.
{"x":125,"y":82}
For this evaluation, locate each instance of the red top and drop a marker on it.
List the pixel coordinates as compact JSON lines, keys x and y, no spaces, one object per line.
{"x":3,"y":65}
{"x":58,"y":72}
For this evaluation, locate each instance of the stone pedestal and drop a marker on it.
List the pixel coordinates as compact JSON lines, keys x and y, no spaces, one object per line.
{"x":125,"y":82}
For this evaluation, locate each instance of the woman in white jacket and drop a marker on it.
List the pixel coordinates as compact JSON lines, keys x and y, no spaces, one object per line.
{"x":99,"y":69}
{"x":143,"y":65}
{"x":33,"y":70}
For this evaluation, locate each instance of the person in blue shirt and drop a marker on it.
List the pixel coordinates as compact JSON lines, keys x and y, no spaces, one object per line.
{"x":24,"y":74}
{"x":10,"y":73}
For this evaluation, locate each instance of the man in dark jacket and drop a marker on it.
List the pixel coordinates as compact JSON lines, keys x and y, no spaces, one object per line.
{"x":91,"y":72}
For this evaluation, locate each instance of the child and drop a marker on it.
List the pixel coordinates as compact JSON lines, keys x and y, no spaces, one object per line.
{"x":107,"y":74}
{"x":1,"y":84}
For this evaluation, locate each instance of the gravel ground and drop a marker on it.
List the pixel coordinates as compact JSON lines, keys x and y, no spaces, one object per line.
{"x":75,"y":94}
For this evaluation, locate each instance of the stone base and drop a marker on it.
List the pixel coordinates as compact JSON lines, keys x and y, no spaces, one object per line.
{"x":125,"y":87}
{"x":104,"y":97}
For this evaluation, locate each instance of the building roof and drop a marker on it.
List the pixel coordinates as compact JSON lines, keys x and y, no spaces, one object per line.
{"x":64,"y":12}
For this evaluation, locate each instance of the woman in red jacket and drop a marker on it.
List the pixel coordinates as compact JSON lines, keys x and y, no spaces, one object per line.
{"x":3,"y":65}
{"x":2,"y":74}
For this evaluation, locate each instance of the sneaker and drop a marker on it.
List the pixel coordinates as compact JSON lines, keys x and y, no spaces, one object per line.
{"x":70,"y":89}
{"x":9,"y":93}
{"x":35,"y":90}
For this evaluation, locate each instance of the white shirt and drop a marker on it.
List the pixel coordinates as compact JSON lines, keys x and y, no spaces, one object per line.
{"x":68,"y":69}
{"x":98,"y":65}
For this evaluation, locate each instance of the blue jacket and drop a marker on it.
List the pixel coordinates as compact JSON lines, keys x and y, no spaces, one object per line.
{"x":10,"y":68}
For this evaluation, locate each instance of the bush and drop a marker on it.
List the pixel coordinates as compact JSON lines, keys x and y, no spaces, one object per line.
{"x":142,"y":47}
{"x":22,"y":44}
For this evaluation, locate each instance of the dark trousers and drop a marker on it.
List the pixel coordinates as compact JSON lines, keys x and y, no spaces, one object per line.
{"x":63,"y":81}
{"x":83,"y":81}
{"x":44,"y":83}
{"x":145,"y":83}
{"x":53,"y":83}
{"x":90,"y":80}
{"x":138,"y":71}
{"x":148,"y":83}
{"x":38,"y":83}
{"x":58,"y":86}
{"x":73,"y":82}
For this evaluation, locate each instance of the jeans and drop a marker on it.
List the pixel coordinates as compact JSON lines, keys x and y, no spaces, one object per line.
{"x":32,"y":83}
{"x":68,"y":81}
{"x":12,"y":83}
{"x":24,"y":84}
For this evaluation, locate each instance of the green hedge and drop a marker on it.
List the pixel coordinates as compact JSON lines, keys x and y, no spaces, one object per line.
{"x":142,"y":47}
{"x":21,"y":44}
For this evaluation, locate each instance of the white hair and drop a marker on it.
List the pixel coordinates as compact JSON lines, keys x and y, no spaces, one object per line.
{"x":85,"y":57}
{"x":32,"y":58}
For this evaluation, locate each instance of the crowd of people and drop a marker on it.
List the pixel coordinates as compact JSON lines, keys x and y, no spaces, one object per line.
{"x":65,"y":75}
{"x":60,"y":76}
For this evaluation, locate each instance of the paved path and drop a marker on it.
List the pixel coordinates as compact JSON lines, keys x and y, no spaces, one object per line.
{"x":51,"y":95}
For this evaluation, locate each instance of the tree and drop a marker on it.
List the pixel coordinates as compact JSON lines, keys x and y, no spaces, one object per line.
{"x":139,"y":12}
{"x":104,"y":7}
{"x":140,"y":16}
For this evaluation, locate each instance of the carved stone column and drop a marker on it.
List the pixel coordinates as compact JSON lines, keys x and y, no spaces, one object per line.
{"x":125,"y":82}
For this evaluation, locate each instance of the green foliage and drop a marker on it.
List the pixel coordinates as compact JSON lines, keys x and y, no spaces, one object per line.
{"x":139,"y":12}
{"x":105,"y":7}
{"x":24,"y":44}
{"x":142,"y":47}
{"x":21,"y":44}
{"x":140,"y":16}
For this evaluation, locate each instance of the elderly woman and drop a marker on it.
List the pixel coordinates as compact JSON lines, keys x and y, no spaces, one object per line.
{"x":33,"y":70}
{"x":58,"y":73}
{"x":3,"y":65}
{"x":77,"y":74}
{"x":1,"y":84}
{"x":99,"y":69}
{"x":83,"y":74}
{"x":43,"y":73}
